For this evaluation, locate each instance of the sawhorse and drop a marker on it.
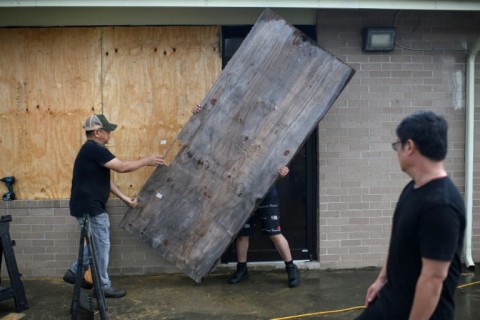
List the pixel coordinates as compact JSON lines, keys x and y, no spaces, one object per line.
{"x":87,"y":239}
{"x":16,"y":291}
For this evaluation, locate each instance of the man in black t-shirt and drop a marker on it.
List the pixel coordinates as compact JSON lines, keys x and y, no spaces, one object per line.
{"x":91,"y":186}
{"x":423,"y":266}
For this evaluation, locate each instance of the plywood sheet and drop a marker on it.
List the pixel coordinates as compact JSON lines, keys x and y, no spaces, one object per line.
{"x":50,"y":82}
{"x":152,"y":78}
{"x":146,"y":79}
{"x":261,"y":109}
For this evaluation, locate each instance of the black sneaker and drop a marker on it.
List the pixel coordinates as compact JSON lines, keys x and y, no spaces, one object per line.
{"x":239,"y":275}
{"x":69,"y":277}
{"x":293,"y":275}
{"x":111,"y":292}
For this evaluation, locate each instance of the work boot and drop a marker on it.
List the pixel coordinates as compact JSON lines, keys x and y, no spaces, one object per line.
{"x":240,"y":274}
{"x":111,"y":292}
{"x":293,"y":275}
{"x":69,"y":277}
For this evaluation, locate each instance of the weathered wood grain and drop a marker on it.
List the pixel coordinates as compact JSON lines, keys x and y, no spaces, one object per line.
{"x":261,"y":109}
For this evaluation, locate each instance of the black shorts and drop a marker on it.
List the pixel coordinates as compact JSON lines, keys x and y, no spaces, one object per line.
{"x":269,"y":214}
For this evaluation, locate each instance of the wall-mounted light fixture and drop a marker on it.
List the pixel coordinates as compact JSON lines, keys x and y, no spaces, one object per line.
{"x":378,"y":39}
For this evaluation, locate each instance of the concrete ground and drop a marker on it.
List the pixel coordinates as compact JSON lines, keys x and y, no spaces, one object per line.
{"x":265,"y":295}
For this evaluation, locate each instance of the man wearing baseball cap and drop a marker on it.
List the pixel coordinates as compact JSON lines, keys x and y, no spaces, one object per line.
{"x":91,"y":186}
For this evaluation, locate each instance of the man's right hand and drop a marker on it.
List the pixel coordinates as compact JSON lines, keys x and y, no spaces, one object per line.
{"x":155,"y":160}
{"x":373,"y":291}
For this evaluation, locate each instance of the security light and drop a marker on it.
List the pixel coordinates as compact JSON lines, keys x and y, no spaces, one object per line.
{"x":378,"y":39}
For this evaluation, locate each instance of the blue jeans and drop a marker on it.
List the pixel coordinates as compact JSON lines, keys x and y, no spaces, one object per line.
{"x":100,"y":231}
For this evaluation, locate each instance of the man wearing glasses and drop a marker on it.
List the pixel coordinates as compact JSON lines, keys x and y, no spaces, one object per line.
{"x":421,"y":272}
{"x":91,"y":186}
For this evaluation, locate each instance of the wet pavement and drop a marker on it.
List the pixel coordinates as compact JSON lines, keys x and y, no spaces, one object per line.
{"x":264,"y":295}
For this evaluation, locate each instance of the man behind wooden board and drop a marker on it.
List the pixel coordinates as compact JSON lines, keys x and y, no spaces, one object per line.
{"x":269,"y":214}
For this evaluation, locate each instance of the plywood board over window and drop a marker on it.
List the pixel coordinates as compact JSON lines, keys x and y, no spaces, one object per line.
{"x":265,"y":103}
{"x":145,"y":79}
{"x":49,"y":80}
{"x":152,"y":79}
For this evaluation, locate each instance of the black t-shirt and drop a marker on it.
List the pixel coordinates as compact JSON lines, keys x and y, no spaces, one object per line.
{"x":429,"y":222}
{"x":91,"y":180}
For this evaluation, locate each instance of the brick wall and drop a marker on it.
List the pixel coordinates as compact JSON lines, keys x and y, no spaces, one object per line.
{"x":360,"y":179}
{"x":47,"y":239}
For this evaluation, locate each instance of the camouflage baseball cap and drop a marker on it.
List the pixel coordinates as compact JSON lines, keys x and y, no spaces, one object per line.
{"x":98,"y":121}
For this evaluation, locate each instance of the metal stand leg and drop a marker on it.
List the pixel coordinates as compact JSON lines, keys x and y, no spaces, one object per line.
{"x":78,"y":294}
{"x":16,"y":291}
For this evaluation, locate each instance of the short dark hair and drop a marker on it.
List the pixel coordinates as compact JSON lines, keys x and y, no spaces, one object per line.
{"x":429,"y":132}
{"x":89,"y":133}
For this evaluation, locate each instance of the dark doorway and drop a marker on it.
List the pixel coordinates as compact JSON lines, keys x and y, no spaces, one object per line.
{"x":298,"y":191}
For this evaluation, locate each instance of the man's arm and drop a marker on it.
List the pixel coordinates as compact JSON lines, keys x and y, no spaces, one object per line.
{"x":129,"y":166}
{"x":374,"y":289}
{"x":429,"y":287}
{"x":131,"y":202}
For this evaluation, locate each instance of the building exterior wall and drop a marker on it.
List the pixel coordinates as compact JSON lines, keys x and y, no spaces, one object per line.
{"x":360,"y":178}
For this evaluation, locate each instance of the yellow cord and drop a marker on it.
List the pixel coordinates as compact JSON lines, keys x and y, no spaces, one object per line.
{"x":352,"y":308}
{"x":468,"y":284}
{"x":320,"y":313}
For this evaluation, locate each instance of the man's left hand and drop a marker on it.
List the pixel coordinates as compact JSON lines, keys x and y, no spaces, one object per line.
{"x":283,"y":171}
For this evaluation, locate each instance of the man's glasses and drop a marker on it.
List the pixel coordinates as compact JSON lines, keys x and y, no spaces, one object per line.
{"x":395,"y":145}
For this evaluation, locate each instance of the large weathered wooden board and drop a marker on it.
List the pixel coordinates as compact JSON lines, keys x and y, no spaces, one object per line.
{"x":261,"y":109}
